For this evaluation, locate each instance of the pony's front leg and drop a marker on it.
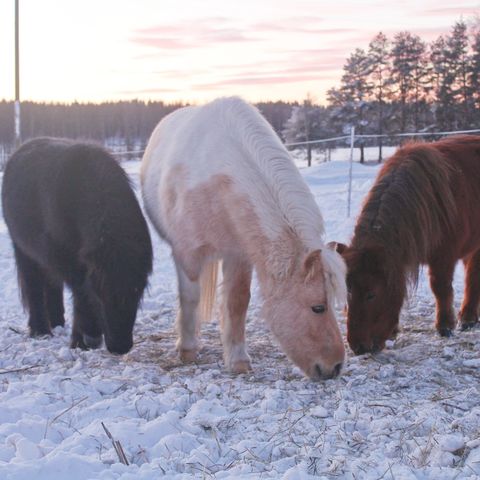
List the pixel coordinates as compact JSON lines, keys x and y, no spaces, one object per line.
{"x":187,"y":322}
{"x":33,"y":282}
{"x":469,"y":311}
{"x":86,"y":328}
{"x":237,"y":276}
{"x":441,"y":276}
{"x":54,"y":305}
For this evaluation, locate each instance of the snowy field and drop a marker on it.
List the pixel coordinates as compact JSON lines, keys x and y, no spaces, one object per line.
{"x":410,"y":412}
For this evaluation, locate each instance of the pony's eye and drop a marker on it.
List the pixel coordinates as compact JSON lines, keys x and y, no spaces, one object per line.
{"x":370,"y":296}
{"x":319,"y":309}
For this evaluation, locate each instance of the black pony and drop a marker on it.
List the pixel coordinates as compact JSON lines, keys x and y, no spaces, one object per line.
{"x":74,"y":219}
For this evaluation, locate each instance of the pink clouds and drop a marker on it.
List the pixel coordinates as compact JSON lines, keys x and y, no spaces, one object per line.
{"x":310,"y":71}
{"x":257,"y":80}
{"x":149,"y":91}
{"x":450,"y":11}
{"x":189,"y":35}
{"x":227,"y":51}
{"x":216,"y":30}
{"x":162,"y":43}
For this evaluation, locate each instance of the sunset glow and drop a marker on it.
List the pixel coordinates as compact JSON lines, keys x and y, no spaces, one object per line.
{"x":190,"y":50}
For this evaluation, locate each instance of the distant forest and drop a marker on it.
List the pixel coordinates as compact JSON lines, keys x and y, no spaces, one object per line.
{"x":396,"y":85}
{"x":127,"y":123}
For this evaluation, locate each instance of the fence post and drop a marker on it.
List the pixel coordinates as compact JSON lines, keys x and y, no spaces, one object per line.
{"x":352,"y":142}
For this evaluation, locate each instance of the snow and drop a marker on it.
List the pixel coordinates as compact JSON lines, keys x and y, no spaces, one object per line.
{"x":410,"y":412}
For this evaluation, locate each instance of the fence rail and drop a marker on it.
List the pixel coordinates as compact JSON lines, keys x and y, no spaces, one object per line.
{"x":352,"y":137}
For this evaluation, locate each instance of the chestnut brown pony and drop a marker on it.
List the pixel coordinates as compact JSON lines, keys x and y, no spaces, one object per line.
{"x":424,"y":208}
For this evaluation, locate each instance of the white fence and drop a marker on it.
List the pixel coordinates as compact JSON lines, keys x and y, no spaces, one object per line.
{"x":352,"y":138}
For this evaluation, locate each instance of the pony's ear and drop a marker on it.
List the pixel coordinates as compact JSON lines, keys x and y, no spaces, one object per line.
{"x":337,"y":247}
{"x":312,"y":263}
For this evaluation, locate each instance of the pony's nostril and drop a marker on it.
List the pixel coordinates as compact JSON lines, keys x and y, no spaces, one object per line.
{"x":337,"y":369}
{"x":318,"y":370}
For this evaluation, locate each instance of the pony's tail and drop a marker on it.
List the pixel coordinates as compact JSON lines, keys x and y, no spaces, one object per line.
{"x":21,"y":280}
{"x":208,"y":290}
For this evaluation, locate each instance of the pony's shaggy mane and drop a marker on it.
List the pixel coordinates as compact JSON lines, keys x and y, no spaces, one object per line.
{"x":409,"y":209}
{"x":291,"y":196}
{"x":268,"y":155}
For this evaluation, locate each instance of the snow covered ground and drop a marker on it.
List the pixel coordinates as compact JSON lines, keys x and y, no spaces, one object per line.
{"x":411,"y":412}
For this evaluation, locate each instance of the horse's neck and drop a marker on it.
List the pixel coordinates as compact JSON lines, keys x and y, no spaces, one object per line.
{"x":275,"y":259}
{"x":273,"y":174}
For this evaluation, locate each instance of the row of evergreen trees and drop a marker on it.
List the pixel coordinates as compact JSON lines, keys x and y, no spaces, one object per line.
{"x":122,"y":126}
{"x":399,"y":85}
{"x":126,"y":123}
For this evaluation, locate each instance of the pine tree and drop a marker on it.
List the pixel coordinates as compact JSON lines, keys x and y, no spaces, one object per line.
{"x":349,"y":102}
{"x":474,"y":81}
{"x":410,"y":77}
{"x":458,"y":60}
{"x":306,"y":123}
{"x":380,"y":67}
{"x":451,"y":65}
{"x":440,"y":74}
{"x":277,"y":114}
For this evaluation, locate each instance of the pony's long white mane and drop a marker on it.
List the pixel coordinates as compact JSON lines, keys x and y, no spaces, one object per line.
{"x":290,"y":194}
{"x":270,"y":158}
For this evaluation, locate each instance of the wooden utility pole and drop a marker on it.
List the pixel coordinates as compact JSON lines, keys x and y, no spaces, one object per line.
{"x":17,"y":78}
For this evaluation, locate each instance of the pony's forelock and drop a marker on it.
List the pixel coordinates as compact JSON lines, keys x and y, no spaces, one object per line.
{"x":334,"y":272}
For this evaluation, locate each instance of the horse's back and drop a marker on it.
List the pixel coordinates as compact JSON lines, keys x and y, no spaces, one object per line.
{"x":54,"y":177}
{"x":192,"y":137}
{"x":432,"y":190}
{"x":60,"y":196}
{"x":187,"y":148}
{"x":30,"y":184}
{"x":211,"y":138}
{"x":224,"y":154}
{"x":462,"y":152}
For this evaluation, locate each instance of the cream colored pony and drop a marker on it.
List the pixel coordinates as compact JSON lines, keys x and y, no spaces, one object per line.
{"x":219,"y":185}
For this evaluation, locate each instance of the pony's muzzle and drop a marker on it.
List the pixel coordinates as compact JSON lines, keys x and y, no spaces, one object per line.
{"x":360,"y":350}
{"x":321,"y":373}
{"x":372,"y":348}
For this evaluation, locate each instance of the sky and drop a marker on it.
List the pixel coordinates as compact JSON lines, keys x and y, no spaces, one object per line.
{"x":197,"y":50}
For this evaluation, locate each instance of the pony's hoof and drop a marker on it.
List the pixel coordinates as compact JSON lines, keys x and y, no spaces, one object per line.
{"x":57,"y":322}
{"x":92,"y":342}
{"x":187,"y":356}
{"x":445,"y":332}
{"x":467,"y":325}
{"x":40,"y":332}
{"x":394,"y":333}
{"x":241,"y":366}
{"x":77,"y":342}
